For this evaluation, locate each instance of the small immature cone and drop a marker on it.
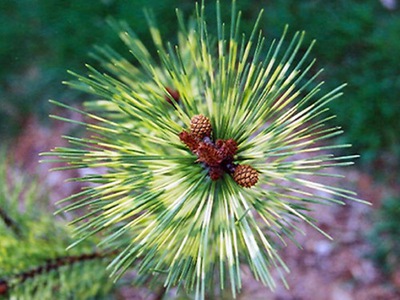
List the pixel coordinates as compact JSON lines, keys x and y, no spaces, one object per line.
{"x":227,"y":148}
{"x":215,"y":173}
{"x":207,"y":154}
{"x":191,"y":141}
{"x":200,"y":126}
{"x":245,"y":176}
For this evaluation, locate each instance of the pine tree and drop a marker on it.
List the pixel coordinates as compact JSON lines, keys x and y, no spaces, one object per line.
{"x":199,"y":159}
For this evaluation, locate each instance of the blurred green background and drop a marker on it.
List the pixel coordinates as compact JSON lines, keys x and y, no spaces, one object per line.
{"x":358,"y":42}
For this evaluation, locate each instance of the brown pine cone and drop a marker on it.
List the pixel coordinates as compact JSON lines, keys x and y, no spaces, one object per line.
{"x":200,"y":126}
{"x":245,"y":176}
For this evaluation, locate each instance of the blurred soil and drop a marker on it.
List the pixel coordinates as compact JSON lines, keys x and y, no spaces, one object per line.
{"x":323,"y":269}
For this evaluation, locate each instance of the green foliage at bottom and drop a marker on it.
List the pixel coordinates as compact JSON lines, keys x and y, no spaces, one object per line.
{"x":80,"y":281}
{"x":33,"y":261}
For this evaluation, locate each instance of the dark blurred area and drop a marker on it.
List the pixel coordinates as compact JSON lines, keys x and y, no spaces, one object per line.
{"x":358,"y":42}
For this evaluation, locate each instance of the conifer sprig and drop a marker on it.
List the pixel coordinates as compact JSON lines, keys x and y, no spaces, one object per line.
{"x":33,"y":261}
{"x":166,"y":194}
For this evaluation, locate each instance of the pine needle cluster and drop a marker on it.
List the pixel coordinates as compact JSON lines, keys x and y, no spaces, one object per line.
{"x":158,"y":187}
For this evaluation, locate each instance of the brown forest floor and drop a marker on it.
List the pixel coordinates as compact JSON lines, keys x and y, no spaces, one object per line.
{"x":323,"y":269}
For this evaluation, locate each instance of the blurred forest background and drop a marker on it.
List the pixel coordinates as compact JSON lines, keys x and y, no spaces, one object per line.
{"x":358,"y":42}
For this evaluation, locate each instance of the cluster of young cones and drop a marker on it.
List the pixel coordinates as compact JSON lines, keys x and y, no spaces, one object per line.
{"x":218,"y":156}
